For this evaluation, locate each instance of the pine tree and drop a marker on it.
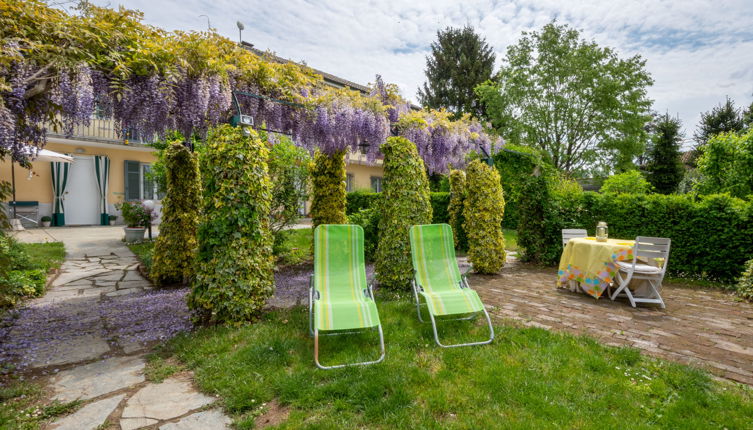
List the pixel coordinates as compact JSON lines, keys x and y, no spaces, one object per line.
{"x":722,"y":118}
{"x":664,"y":168}
{"x":460,"y":60}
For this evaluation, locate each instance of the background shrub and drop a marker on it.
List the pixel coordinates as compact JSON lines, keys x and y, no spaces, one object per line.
{"x":369,"y":220}
{"x":630,"y":182}
{"x":404,"y":203}
{"x":361,"y":199}
{"x":174,"y":255}
{"x":744,"y":287}
{"x":726,"y":165}
{"x":515,"y":164}
{"x":455,"y":208}
{"x":483,"y":211}
{"x":328,"y":189}
{"x":289,"y":167}
{"x":358,"y":200}
{"x":234,"y":275}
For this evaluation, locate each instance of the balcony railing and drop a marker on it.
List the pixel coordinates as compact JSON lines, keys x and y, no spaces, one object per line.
{"x":102,"y":130}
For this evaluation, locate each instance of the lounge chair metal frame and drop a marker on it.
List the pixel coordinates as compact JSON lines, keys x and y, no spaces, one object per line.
{"x":417,"y":289}
{"x":314,"y":331}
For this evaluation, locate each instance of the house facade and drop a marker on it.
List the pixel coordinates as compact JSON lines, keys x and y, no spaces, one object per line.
{"x":105,"y":158}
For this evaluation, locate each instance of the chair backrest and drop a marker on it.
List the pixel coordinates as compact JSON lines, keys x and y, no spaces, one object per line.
{"x":432,"y":249}
{"x":652,"y":248}
{"x":339,"y":269}
{"x":572,"y":233}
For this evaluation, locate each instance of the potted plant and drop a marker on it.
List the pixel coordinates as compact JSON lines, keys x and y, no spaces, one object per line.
{"x":46,"y":220}
{"x":136,"y":217}
{"x":112,"y":219}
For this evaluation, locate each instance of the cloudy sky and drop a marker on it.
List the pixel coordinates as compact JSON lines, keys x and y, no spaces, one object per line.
{"x":698,"y":51}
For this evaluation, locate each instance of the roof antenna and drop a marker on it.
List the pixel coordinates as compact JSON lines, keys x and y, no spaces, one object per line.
{"x":240,"y":31}
{"x":209,"y":24}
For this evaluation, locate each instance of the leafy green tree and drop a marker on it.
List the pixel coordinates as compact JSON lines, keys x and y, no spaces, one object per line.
{"x":748,"y":117}
{"x":725,"y":165}
{"x":404,"y":203}
{"x":483,"y":210}
{"x":175,"y":250}
{"x":234,"y":271}
{"x":630,"y":182}
{"x":722,"y":118}
{"x":581,"y":104}
{"x":664,"y":168}
{"x":328,"y":189}
{"x":460,"y":60}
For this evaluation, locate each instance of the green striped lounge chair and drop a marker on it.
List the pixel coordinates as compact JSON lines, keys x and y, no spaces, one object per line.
{"x":446,"y":293}
{"x":340,"y":299}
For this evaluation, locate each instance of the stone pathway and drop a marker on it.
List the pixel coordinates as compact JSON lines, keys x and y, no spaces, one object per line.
{"x":706,"y":328}
{"x":90,"y":331}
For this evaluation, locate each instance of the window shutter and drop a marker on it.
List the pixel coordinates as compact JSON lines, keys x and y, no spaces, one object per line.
{"x":132,"y":180}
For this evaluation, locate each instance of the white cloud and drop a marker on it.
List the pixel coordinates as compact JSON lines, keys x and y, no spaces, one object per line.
{"x":698,"y":51}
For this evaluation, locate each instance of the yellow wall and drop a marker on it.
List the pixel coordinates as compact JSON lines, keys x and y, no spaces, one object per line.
{"x":362,"y":175}
{"x":39,"y":187}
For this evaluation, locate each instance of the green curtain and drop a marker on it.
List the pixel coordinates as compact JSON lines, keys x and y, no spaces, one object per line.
{"x":102,"y":169}
{"x":59,"y":183}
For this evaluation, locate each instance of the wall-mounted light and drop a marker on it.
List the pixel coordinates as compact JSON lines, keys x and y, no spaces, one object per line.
{"x":80,"y":150}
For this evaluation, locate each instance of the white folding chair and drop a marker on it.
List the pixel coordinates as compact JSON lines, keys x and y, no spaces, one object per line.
{"x":567,"y":234}
{"x":572,"y":233}
{"x":651,"y":250}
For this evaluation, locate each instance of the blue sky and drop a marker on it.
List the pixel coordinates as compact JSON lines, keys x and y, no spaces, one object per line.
{"x":697,"y":51}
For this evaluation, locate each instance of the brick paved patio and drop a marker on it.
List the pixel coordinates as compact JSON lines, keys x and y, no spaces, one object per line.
{"x":705,"y":328}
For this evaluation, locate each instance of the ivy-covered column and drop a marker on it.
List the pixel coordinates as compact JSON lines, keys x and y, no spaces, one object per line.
{"x":234,"y":275}
{"x":455,"y":208}
{"x":484,"y":209}
{"x":405,"y":202}
{"x":328,"y":189}
{"x":174,"y":258}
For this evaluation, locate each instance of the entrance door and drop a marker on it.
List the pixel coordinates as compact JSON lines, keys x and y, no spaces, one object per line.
{"x":82,"y":197}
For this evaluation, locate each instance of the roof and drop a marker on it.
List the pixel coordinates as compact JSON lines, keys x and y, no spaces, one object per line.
{"x":329,"y":78}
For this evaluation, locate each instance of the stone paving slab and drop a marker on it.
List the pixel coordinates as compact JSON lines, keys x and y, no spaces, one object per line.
{"x":705,"y":328}
{"x":90,"y":417}
{"x":98,"y":378}
{"x":208,"y":420}
{"x":170,"y":399}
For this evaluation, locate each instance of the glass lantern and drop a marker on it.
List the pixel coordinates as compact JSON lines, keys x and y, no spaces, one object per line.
{"x":602,"y":231}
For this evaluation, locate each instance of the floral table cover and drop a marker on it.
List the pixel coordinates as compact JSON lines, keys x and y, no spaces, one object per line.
{"x":593,"y":264}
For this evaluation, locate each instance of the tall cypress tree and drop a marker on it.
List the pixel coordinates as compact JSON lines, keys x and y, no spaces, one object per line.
{"x":460,"y":60}
{"x":664,"y":166}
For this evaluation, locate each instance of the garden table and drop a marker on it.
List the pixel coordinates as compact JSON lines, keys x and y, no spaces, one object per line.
{"x":593,"y":264}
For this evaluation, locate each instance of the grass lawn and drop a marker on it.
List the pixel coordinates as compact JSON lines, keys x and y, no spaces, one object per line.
{"x":45,"y":256}
{"x":143,"y":251}
{"x":20,"y":406}
{"x":528,"y":378}
{"x":511,"y":239}
{"x":296,"y":247}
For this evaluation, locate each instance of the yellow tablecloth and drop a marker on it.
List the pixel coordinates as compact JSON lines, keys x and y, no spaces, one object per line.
{"x":592,"y":263}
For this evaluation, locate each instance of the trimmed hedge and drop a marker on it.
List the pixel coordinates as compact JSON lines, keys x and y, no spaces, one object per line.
{"x":174,"y":258}
{"x":355,"y":201}
{"x":455,"y":208}
{"x":328,"y":189}
{"x":234,"y":275}
{"x":483,"y":211}
{"x":711,"y":235}
{"x":368,"y":219}
{"x":404,"y":203}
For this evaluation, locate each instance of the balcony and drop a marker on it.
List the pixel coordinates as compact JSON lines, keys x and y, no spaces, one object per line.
{"x":102,"y":130}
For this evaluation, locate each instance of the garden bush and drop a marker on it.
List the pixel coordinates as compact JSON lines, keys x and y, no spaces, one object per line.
{"x":368,"y":219}
{"x":515,"y":164}
{"x":21,"y":275}
{"x":234,"y":275}
{"x":328,"y":189}
{"x":455,"y":208}
{"x":483,"y":212}
{"x":289,"y":167}
{"x":744,"y":286}
{"x":404,"y":203}
{"x":174,"y":256}
{"x":726,"y":165}
{"x":630,"y":182}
